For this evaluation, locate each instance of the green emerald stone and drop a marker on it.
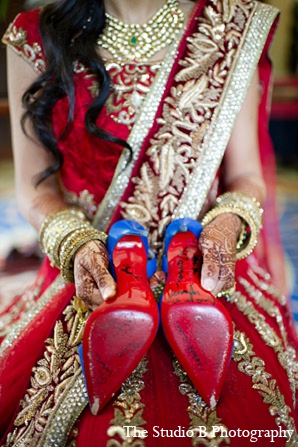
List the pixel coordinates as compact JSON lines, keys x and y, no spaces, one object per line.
{"x":133,"y":40}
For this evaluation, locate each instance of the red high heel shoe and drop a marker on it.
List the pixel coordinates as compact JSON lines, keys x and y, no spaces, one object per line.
{"x":120,"y":331}
{"x":197,"y":326}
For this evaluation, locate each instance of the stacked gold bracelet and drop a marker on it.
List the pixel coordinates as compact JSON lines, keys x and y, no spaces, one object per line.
{"x":56,"y":227}
{"x":62,"y":234}
{"x":249,"y":211}
{"x":71,"y":245}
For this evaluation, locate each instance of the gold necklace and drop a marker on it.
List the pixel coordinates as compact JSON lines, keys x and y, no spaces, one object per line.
{"x":139,"y":43}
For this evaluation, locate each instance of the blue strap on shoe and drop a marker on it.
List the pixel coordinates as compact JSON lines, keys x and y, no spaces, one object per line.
{"x":130,"y":227}
{"x":80,"y":352}
{"x":179,"y":225}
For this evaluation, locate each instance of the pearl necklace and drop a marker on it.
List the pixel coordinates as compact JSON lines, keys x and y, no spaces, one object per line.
{"x":139,"y":43}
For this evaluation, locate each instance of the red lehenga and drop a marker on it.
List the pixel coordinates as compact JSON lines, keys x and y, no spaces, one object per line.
{"x":177,"y":116}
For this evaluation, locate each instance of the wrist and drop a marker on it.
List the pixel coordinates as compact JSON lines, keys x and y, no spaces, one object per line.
{"x":245,"y":207}
{"x":62,"y":234}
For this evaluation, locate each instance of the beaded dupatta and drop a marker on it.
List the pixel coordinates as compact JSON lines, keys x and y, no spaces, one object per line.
{"x":190,"y":115}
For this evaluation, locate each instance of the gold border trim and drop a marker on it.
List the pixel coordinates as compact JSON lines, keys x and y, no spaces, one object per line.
{"x":140,"y":130}
{"x":284,"y":352}
{"x":215,"y":144}
{"x":253,"y":366}
{"x":72,"y":403}
{"x":200,"y":415}
{"x":128,"y":410}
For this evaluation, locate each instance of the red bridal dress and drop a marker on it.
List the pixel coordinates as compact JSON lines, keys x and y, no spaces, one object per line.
{"x":177,"y":115}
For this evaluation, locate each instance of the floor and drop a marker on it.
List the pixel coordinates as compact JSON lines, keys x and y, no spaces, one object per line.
{"x":288,"y":214}
{"x":19,"y":253}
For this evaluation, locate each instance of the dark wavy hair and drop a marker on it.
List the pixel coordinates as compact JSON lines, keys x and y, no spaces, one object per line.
{"x":69,"y":30}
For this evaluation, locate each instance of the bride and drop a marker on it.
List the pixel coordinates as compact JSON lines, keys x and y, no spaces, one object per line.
{"x":149,"y":111}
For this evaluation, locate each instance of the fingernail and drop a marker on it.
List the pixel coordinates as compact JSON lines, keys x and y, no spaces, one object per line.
{"x":208,"y":284}
{"x":108,"y":292}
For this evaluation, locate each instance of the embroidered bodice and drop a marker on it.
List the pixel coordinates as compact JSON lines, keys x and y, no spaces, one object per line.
{"x":184,"y":124}
{"x":43,"y":392}
{"x":89,"y":163}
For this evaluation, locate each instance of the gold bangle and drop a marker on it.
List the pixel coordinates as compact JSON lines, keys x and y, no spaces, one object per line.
{"x":65,"y":214}
{"x":250,"y":212}
{"x":72,"y":244}
{"x":53,"y":243}
{"x":242,"y":236}
{"x":58,"y":241}
{"x":62,"y":234}
{"x":73,"y":238}
{"x":56,"y":227}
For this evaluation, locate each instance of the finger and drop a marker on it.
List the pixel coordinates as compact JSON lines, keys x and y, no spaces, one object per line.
{"x":101,"y":275}
{"x":211,"y":261}
{"x":87,"y":291}
{"x":104,"y":281}
{"x":209,"y":275}
{"x":93,"y":258}
{"x":226,"y":278}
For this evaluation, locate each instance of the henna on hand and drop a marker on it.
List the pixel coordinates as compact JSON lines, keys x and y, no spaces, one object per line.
{"x":218,"y":243}
{"x":94,"y":283}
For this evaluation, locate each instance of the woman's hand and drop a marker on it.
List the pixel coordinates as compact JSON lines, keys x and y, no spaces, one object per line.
{"x":218,"y":243}
{"x":94,"y":283}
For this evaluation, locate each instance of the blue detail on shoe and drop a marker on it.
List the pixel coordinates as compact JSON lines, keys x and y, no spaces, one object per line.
{"x":80,"y":352}
{"x":130,"y":227}
{"x":179,"y":225}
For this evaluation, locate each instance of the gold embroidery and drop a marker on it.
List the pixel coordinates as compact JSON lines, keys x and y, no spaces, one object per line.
{"x":78,"y":67}
{"x":85,"y":201}
{"x":55,"y":375}
{"x":243,"y":61}
{"x":17,"y":38}
{"x":265,"y":284}
{"x":129,"y":411}
{"x":143,"y":124}
{"x":186,"y":119}
{"x":131,"y":83}
{"x":254,"y":367}
{"x":267,"y":332}
{"x":209,"y":145}
{"x":264,"y":303}
{"x":71,"y":404}
{"x":229,"y":8}
{"x":201,"y":415}
{"x":286,"y":355}
{"x":72,"y":438}
{"x":242,"y":347}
